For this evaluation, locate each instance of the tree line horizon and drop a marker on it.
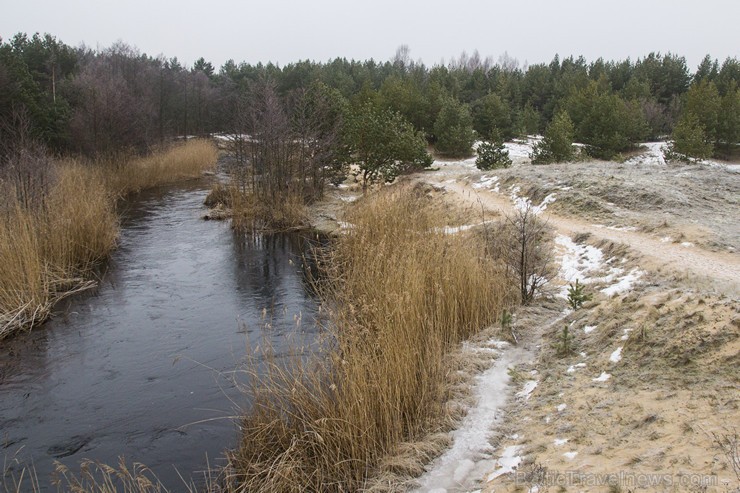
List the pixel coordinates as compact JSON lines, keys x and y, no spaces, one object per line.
{"x":96,"y":102}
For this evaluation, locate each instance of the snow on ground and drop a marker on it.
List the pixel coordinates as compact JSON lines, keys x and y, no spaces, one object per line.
{"x":527,"y":389}
{"x":559,"y":441}
{"x":471,"y":454}
{"x":589,"y":328}
{"x":583,"y":262}
{"x":520,"y":148}
{"x":562,"y":407}
{"x":653,"y":156}
{"x":490,"y":183}
{"x":507,"y":463}
{"x":602,"y":378}
{"x":570,"y":455}
{"x":578,"y":260}
{"x":626,"y":334}
{"x":521,"y":203}
{"x":624,"y":284}
{"x":616,"y":228}
{"x":573,"y":368}
{"x":616,"y":356}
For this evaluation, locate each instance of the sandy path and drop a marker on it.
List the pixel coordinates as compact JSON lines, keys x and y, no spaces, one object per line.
{"x":722,"y":269}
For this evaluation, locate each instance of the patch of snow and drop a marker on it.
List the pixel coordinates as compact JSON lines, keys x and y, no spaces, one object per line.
{"x":602,"y":378}
{"x":470,"y":455}
{"x":570,"y":455}
{"x":687,"y":244}
{"x":616,"y":228}
{"x":562,"y":407}
{"x":451,"y":230}
{"x":349,"y":198}
{"x":488,"y":182}
{"x":527,"y":389}
{"x":616,"y":356}
{"x":560,"y":441}
{"x":589,"y":328}
{"x":578,"y":262}
{"x":624,"y":284}
{"x":345,"y":225}
{"x":626,"y":334}
{"x":583,"y":355}
{"x":573,"y":368}
{"x":666,"y":239}
{"x":507,"y":463}
{"x":520,"y":148}
{"x":522,"y":203}
{"x":653,"y":156}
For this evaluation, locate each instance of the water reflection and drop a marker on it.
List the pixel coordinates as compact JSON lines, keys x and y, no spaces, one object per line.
{"x":143,"y":365}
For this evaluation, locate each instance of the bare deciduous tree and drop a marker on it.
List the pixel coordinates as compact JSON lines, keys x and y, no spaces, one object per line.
{"x":525,"y":248}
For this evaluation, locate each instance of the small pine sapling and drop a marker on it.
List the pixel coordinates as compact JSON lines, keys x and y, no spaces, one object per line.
{"x":576,"y":296}
{"x":565,"y":342}
{"x":506,"y":319}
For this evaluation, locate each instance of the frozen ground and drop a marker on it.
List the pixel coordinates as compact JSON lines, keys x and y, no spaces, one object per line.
{"x":681,"y":203}
{"x":471,"y":454}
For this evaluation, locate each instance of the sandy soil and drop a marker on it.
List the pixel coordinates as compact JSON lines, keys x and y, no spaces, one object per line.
{"x":659,"y":249}
{"x":650,"y":387}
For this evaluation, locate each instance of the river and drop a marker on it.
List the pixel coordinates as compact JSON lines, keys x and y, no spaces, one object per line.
{"x":144,"y":366}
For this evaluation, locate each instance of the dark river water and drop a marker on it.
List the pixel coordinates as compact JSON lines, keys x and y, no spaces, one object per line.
{"x":144,"y":366}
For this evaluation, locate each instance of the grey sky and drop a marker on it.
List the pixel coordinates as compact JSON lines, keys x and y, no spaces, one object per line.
{"x":289,"y":30}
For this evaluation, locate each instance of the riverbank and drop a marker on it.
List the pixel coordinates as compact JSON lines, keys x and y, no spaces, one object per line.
{"x":401,"y":295}
{"x":57,"y":224}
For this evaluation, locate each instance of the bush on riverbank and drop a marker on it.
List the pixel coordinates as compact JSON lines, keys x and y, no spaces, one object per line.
{"x":58,"y":219}
{"x":282,"y":212}
{"x":402,"y":293}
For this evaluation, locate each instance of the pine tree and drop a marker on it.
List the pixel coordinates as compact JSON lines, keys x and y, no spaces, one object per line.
{"x":690,"y":140}
{"x":557,"y":145}
{"x":454,"y":129}
{"x":492,"y":153}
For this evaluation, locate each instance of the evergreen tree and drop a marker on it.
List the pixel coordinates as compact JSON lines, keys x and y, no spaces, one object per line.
{"x":492,"y":153}
{"x":491,"y":112}
{"x":454,"y":129}
{"x":690,"y":141}
{"x":383,"y":144}
{"x":557,"y":145}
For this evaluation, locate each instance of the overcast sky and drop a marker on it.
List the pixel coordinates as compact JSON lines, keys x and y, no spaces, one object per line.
{"x":284,"y":31}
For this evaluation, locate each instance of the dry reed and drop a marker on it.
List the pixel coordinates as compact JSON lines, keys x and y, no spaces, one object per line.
{"x":47,"y":250}
{"x":402,"y":294}
{"x":179,"y":162}
{"x":259,"y":212}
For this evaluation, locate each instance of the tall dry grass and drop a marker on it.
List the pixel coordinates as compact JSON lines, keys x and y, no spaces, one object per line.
{"x":47,"y":249}
{"x":250,"y":211}
{"x":167,"y":165}
{"x":402,"y":294}
{"x":52,"y":236}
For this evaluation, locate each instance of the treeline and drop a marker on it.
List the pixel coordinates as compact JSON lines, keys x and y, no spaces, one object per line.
{"x":102,"y":101}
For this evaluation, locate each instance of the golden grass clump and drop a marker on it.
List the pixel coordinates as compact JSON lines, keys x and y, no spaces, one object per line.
{"x":47,"y":248}
{"x":402,"y":295}
{"x":282,"y":212}
{"x":179,"y":162}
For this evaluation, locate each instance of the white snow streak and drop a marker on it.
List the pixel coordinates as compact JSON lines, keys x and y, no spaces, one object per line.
{"x":602,"y":378}
{"x":616,"y":356}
